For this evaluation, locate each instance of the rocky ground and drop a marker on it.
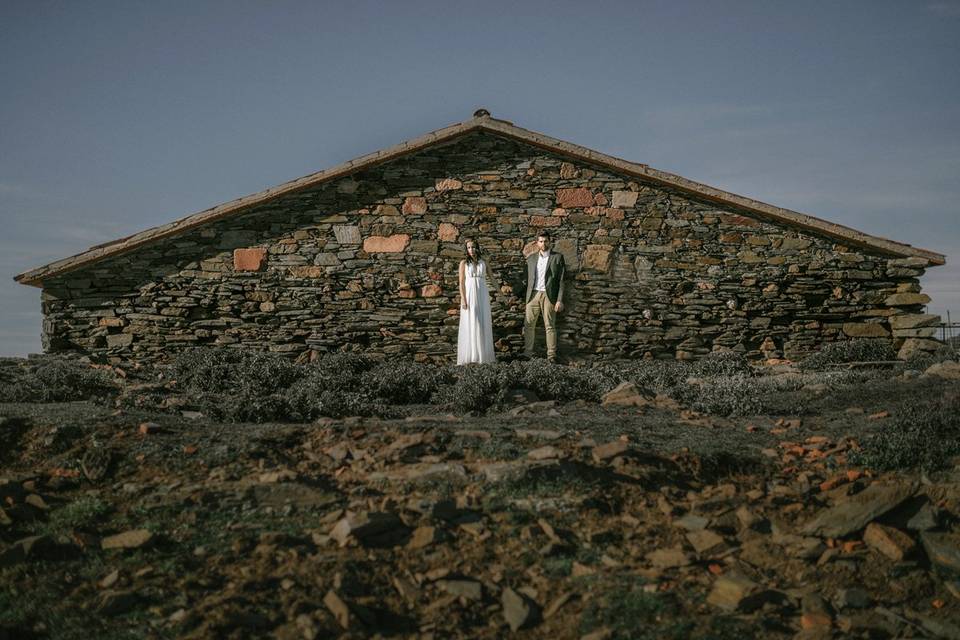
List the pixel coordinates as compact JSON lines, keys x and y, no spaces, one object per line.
{"x":635,"y":517}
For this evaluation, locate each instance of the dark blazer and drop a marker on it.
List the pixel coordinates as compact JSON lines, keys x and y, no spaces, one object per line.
{"x":556,"y":270}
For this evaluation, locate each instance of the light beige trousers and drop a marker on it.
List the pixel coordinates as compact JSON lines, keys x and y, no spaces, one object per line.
{"x":539,"y":305}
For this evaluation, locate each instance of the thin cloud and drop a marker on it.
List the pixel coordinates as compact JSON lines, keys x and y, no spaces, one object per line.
{"x":22,"y":192}
{"x":945,"y":9}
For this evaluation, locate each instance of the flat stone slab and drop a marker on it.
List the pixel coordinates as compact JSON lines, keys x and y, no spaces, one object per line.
{"x":947,"y":370}
{"x":373,"y":529}
{"x":668,"y":558}
{"x":609,"y":450}
{"x":736,"y":592}
{"x":627,"y":394}
{"x":420,"y":471}
{"x":127,"y":540}
{"x":914,"y":321}
{"x":518,"y":611}
{"x":465,"y":588}
{"x":859,"y":510}
{"x":511,"y":470}
{"x":943,"y":549}
{"x":705,"y":541}
{"x":293,"y":493}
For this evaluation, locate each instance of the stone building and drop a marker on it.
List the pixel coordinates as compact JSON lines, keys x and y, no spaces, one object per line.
{"x":364,"y":256}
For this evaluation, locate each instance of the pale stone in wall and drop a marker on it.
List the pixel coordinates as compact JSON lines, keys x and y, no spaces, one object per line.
{"x":625,"y":199}
{"x":249,"y":259}
{"x":414,"y":205}
{"x":448,"y":184}
{"x":597,"y":257}
{"x":907,"y":299}
{"x":865,"y":330}
{"x":389,"y":244}
{"x":570,"y":198}
{"x":447,"y":232}
{"x":347,"y":234}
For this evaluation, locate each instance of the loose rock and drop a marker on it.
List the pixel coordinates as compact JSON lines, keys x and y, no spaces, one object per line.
{"x":133,"y":539}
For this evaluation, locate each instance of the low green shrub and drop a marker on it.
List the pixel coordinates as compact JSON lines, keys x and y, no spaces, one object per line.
{"x":656,"y":375}
{"x":476,"y":388}
{"x":721,"y":363}
{"x":308,"y":400}
{"x":53,"y":379}
{"x":404,"y":382}
{"x":240,"y":386}
{"x":924,"y":435}
{"x":233,"y":371}
{"x":82,"y":514}
{"x":339,"y":371}
{"x":244,"y":407}
{"x":557,"y":382}
{"x":735,"y":395}
{"x":844,"y":351}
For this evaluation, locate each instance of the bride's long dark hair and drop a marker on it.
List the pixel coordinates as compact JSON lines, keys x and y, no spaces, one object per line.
{"x":476,"y":250}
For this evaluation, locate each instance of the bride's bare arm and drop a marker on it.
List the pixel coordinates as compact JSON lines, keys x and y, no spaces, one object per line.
{"x":463,"y":297}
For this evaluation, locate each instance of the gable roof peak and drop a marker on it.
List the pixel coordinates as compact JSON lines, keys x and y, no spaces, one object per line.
{"x":483,"y":121}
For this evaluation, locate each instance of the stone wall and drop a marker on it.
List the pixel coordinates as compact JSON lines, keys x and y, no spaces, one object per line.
{"x":370,"y":263}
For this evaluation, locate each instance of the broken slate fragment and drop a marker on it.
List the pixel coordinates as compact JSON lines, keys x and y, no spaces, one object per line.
{"x":337,"y":607}
{"x":668,"y":558}
{"x":627,"y":394}
{"x":467,"y":589}
{"x":610,"y":450}
{"x":853,"y":598}
{"x":423,"y":537}
{"x":692,"y":522}
{"x":926,"y":518}
{"x":519,"y":611}
{"x":37,"y":502}
{"x":110,"y":579}
{"x":114,"y":603}
{"x":133,"y":539}
{"x":943,"y":549}
{"x":736,"y":592}
{"x":857,"y":511}
{"x":149,"y":428}
{"x":705,"y":541}
{"x":557,"y":603}
{"x":545,"y":453}
{"x":893,"y":543}
{"x":816,"y":612}
{"x":369,"y":529}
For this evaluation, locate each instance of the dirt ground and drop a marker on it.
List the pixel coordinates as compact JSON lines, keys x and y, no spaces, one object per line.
{"x":636,"y":517}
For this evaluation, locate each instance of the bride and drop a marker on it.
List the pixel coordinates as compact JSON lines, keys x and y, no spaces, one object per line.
{"x":475,"y":340}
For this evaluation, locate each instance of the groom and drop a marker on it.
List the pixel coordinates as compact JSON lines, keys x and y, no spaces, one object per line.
{"x":545,"y":273}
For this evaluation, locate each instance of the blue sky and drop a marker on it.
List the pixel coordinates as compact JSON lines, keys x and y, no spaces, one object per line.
{"x":119,"y":116}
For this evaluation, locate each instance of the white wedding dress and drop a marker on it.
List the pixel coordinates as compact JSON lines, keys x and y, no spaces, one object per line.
{"x":475,"y":340}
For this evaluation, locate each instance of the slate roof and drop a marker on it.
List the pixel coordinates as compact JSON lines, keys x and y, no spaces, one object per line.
{"x":483,"y":121}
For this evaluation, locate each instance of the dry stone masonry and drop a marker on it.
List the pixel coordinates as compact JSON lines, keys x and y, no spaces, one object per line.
{"x":369,"y":262}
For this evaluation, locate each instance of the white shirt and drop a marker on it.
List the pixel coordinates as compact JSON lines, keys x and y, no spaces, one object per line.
{"x":541,"y":281}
